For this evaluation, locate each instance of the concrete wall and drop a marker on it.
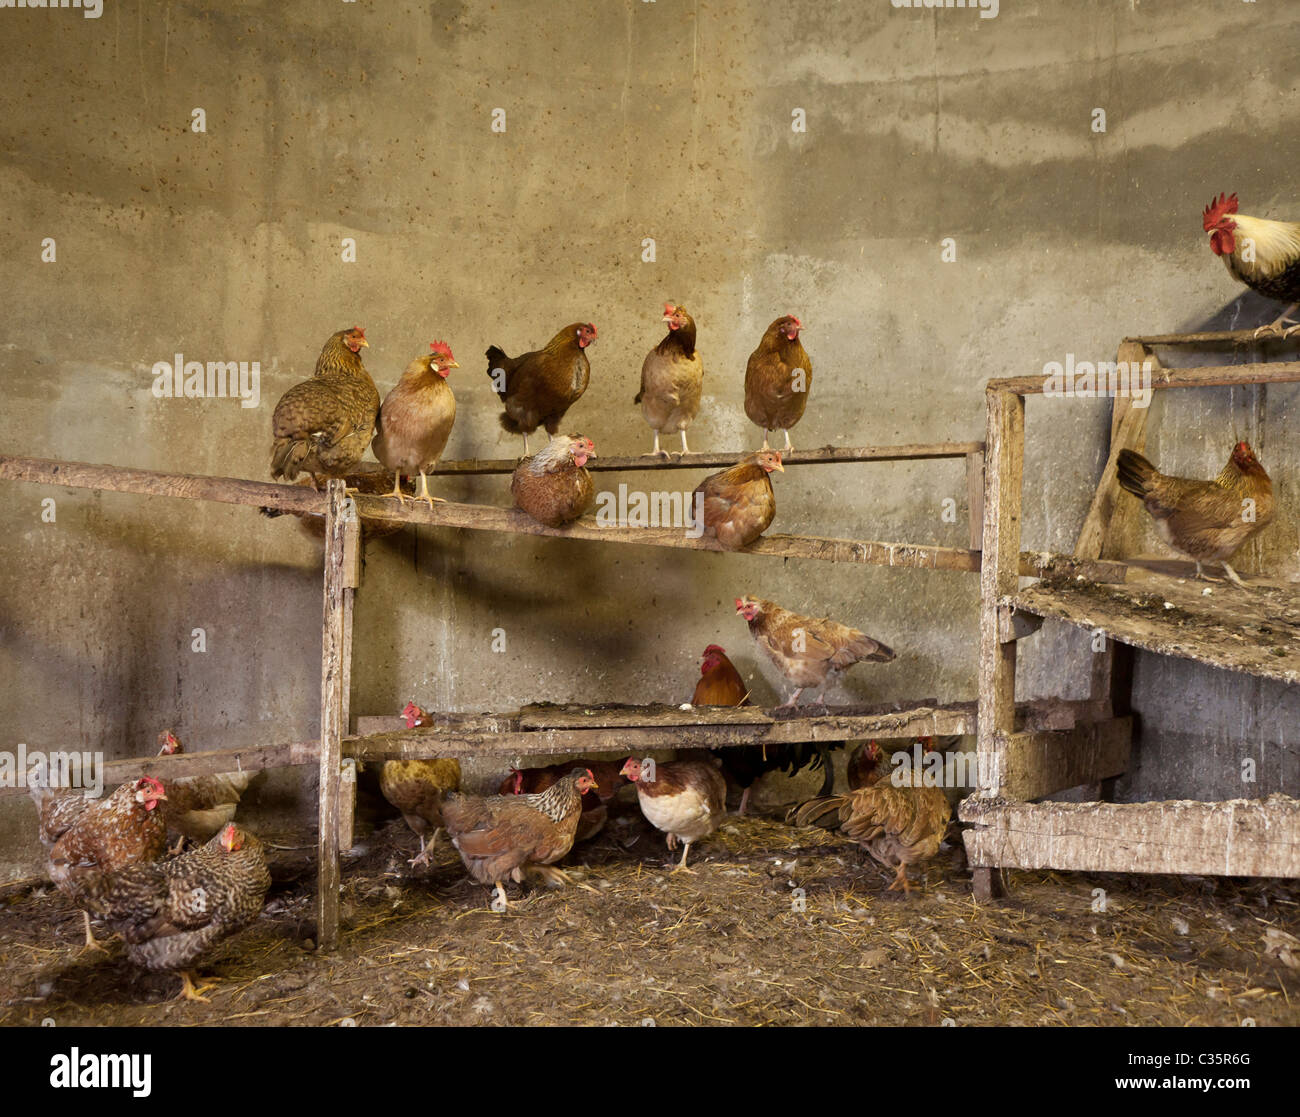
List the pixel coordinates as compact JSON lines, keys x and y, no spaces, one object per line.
{"x":625,"y":120}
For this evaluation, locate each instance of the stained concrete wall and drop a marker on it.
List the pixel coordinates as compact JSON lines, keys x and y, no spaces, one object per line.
{"x":624,"y":120}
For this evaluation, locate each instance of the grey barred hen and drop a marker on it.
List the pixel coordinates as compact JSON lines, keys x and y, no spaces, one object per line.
{"x":323,"y":426}
{"x":170,"y":912}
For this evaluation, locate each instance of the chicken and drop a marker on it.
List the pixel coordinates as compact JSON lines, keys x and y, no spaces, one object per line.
{"x":538,"y":388}
{"x":738,"y":504}
{"x":672,"y":378}
{"x":416,"y":418}
{"x":553,"y":486}
{"x":169,"y":913}
{"x":1262,"y":254}
{"x":504,"y":836}
{"x":84,"y":835}
{"x":864,"y":765}
{"x":323,"y":425}
{"x":416,"y":788}
{"x":595,"y":803}
{"x":1208,"y":521}
{"x":686,"y":799}
{"x":897,"y":825}
{"x":197,"y":807}
{"x":778,"y":379}
{"x":720,"y":684}
{"x":808,"y":651}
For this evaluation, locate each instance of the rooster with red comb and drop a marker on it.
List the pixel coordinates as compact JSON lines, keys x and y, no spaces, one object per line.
{"x":1262,"y":254}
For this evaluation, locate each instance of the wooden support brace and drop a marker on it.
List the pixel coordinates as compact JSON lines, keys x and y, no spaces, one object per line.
{"x":1013,"y":625}
{"x":332,"y":712}
{"x":1034,"y":765}
{"x":975,"y":497}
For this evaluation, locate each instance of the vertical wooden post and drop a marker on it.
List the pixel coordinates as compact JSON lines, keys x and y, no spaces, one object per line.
{"x":333,"y":704}
{"x":352,"y":568}
{"x":999,"y":577}
{"x":975,"y":498}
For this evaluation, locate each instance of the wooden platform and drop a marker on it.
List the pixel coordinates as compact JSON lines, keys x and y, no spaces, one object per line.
{"x":1255,"y":631}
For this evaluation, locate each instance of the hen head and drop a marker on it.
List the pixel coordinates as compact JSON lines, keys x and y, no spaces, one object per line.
{"x":168,"y":745}
{"x":413,"y":715}
{"x":440,"y":359}
{"x":1243,"y":457}
{"x":581,"y":449}
{"x":788,"y":326}
{"x":675,"y":316}
{"x":1219,"y":224}
{"x":355,"y":339}
{"x":748,"y":607}
{"x":586,"y":334}
{"x":713,"y":659}
{"x":769,"y":460}
{"x":583,"y":780}
{"x":631,"y":769}
{"x":232,"y":838}
{"x":149,"y":792}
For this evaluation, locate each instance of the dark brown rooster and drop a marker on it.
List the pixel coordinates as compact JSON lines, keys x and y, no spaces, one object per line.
{"x":84,"y":835}
{"x":503,"y":836}
{"x":323,"y":425}
{"x":553,"y":486}
{"x":170,"y":912}
{"x":1208,"y":521}
{"x":417,"y":787}
{"x":595,"y":803}
{"x":537,"y":388}
{"x":778,"y":379}
{"x":672,"y":378}
{"x":197,"y":807}
{"x":415,"y":420}
{"x":738,"y":504}
{"x":895,"y":819}
{"x":808,"y":651}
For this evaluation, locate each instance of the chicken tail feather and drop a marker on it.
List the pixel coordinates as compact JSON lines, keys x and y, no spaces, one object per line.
{"x":823,"y":811}
{"x":1134,"y":472}
{"x":287,"y":456}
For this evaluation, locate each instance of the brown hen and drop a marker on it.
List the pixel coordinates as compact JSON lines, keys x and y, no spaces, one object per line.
{"x":323,"y":425}
{"x":595,"y":803}
{"x":738,"y":504}
{"x":415,"y":420}
{"x":537,"y":388}
{"x":197,"y":807}
{"x":778,"y":379}
{"x":416,"y":788}
{"x":672,"y":378}
{"x":686,"y":799}
{"x":553,"y":486}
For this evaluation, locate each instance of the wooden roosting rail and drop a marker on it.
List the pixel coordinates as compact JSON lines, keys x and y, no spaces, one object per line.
{"x":1258,"y":634}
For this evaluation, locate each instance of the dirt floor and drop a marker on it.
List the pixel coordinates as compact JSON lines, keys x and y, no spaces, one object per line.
{"x":775,"y":926}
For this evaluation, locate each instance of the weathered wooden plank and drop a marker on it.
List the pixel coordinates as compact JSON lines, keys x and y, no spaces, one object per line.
{"x":1037,"y":764}
{"x":1207,"y":337}
{"x":332,"y":703}
{"x":1205,"y":376}
{"x":1014,"y":626}
{"x":620,"y":716}
{"x":827,"y":455}
{"x":975,"y":497}
{"x":1111,"y":514}
{"x":350,"y":574}
{"x":115,"y":479}
{"x":1237,"y":837}
{"x":1255,"y":631}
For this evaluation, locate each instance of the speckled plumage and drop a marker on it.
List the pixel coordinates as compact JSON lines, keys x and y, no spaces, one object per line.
{"x":170,"y":912}
{"x":323,"y":426}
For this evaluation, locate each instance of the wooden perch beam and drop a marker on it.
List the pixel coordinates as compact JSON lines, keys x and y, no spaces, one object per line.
{"x":1207,"y":376}
{"x":1208,"y":337}
{"x":1239,"y":837}
{"x":827,"y":455}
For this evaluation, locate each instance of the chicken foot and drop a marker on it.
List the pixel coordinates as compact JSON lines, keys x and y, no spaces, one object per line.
{"x":424,"y":492}
{"x":92,"y":943}
{"x":426,"y":849}
{"x":1233,"y":576}
{"x":189,"y":992}
{"x":397,"y":489}
{"x":557,"y":878}
{"x":901,"y":881}
{"x":657,"y":452}
{"x":1276,"y":326}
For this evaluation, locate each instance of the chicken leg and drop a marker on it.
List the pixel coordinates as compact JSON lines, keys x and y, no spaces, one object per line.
{"x":397,"y":489}
{"x":792,"y":702}
{"x":424,"y":492}
{"x":788,"y":445}
{"x":426,"y":849}
{"x":766,"y":432}
{"x":685,"y":449}
{"x":92,"y":943}
{"x":901,"y":881}
{"x":680,"y":867}
{"x":189,"y":992}
{"x":1275,"y":326}
{"x":657,"y":452}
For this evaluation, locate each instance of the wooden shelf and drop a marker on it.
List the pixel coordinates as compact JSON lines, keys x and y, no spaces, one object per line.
{"x":1206,"y":376}
{"x":1212,"y":337}
{"x":1255,"y":631}
{"x":1236,"y":837}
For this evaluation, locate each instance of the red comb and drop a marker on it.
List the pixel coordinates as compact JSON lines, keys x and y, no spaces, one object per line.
{"x":1216,"y":210}
{"x":669,"y":308}
{"x":714,"y":648}
{"x":441,"y":348}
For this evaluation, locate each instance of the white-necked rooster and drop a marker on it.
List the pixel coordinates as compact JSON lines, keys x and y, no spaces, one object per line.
{"x":1262,"y":254}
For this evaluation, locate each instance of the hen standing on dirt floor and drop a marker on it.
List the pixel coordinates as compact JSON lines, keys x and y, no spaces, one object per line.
{"x":170,"y":912}
{"x":417,"y":788}
{"x":504,"y":836}
{"x":686,"y":799}
{"x":323,"y":426}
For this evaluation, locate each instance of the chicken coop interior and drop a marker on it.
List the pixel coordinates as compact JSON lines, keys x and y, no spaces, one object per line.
{"x":682,"y":513}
